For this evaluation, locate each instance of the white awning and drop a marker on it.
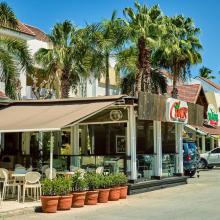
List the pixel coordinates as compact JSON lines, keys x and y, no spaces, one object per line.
{"x":49,"y":116}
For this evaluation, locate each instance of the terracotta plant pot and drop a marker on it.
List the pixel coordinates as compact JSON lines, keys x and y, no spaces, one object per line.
{"x":49,"y":203}
{"x":78,"y":200}
{"x":91,"y":197}
{"x":103,"y":195}
{"x":114,"y":194}
{"x":65,"y":202}
{"x":123,"y":192}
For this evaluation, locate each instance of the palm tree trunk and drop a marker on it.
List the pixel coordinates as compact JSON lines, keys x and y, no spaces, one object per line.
{"x":107,"y":80}
{"x":144,"y":67}
{"x":139,"y":74}
{"x":65,"y":86}
{"x":147,"y":70}
{"x":175,"y":90}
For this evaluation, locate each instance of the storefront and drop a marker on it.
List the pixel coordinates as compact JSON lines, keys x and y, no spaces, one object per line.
{"x":142,"y":138}
{"x":167,"y":117}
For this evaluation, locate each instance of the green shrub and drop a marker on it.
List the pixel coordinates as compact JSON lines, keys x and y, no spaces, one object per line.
{"x":49,"y":187}
{"x":63,"y":185}
{"x":78,"y":182}
{"x":59,"y":186}
{"x":123,"y":179}
{"x":104,"y":181}
{"x":118,"y":179}
{"x":92,"y":180}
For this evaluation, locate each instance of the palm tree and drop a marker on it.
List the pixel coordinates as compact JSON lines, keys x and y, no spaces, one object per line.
{"x":7,"y":16}
{"x":108,"y":37}
{"x":146,"y":27}
{"x":66,"y":61}
{"x":14,"y":54}
{"x":180,"y":48}
{"x":126,"y":66}
{"x":206,"y":73}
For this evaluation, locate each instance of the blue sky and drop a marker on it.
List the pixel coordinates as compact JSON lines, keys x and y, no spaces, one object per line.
{"x":206,"y":14}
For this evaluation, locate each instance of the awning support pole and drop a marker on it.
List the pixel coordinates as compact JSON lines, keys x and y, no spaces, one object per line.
{"x":203,"y":144}
{"x":131,"y":144}
{"x":179,"y":149}
{"x":212,"y":143}
{"x":157,"y":150}
{"x":51,"y":155}
{"x":74,"y":141}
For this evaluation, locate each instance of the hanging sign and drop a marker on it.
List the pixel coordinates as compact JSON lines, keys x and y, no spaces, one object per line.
{"x":212,"y":115}
{"x":176,"y":111}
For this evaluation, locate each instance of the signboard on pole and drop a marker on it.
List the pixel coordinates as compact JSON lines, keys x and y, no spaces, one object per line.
{"x":176,"y":111}
{"x":212,"y":115}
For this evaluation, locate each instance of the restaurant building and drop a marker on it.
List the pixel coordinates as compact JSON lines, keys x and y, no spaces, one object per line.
{"x":141,"y":137}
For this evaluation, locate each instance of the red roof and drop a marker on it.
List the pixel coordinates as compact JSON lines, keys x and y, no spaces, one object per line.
{"x":40,"y":35}
{"x":24,"y":29}
{"x":209,"y":130}
{"x":32,"y":31}
{"x":187,"y":93}
{"x":215,"y":85}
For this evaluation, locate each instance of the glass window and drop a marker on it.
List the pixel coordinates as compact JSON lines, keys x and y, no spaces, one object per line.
{"x":145,"y":137}
{"x":168,"y":137}
{"x":216,"y":151}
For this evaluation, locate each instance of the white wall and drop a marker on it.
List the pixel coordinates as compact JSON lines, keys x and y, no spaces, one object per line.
{"x":34,"y":45}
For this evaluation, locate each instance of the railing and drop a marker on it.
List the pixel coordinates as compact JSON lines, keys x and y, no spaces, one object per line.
{"x":145,"y":164}
{"x":168,"y":164}
{"x":111,"y":163}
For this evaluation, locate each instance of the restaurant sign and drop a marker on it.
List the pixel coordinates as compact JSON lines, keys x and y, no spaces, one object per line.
{"x":212,"y":115}
{"x":176,"y":111}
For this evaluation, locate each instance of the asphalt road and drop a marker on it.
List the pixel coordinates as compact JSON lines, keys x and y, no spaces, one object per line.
{"x":199,"y":199}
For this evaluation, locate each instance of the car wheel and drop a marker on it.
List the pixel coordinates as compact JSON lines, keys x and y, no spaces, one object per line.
{"x":202,"y":163}
{"x":210,"y":167}
{"x":186,"y":173}
{"x":192,"y":173}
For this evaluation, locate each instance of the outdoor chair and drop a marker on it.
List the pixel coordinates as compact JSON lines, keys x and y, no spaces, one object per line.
{"x":100,"y":170}
{"x":2,"y":178}
{"x":44,"y":167}
{"x":7,"y":184}
{"x":32,"y":181}
{"x":18,"y":165}
{"x":73,"y":168}
{"x":54,"y":173}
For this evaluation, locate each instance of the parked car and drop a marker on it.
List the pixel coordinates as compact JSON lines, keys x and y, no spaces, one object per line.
{"x":191,"y":158}
{"x":210,"y":159}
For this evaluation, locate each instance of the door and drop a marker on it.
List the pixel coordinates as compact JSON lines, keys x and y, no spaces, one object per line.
{"x":214,"y":157}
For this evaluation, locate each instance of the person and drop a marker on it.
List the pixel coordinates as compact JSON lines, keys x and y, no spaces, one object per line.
{"x":65,"y":149}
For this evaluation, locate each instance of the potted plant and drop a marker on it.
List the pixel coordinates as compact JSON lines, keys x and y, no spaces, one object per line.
{"x":64,"y":188}
{"x":104,"y":188}
{"x":79,"y":186}
{"x":49,"y":198}
{"x":114,"y":193}
{"x":92,"y":180}
{"x":123,"y":184}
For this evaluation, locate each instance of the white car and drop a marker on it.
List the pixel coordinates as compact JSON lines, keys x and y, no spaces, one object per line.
{"x":210,"y":159}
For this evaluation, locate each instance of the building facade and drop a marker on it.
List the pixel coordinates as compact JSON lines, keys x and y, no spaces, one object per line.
{"x":36,"y":39}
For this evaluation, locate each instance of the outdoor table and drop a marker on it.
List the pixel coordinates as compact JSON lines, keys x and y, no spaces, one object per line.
{"x":18,"y":177}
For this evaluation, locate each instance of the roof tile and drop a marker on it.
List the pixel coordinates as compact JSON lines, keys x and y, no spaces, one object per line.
{"x":188,"y":93}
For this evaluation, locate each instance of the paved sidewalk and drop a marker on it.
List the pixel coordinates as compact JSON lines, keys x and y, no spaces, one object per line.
{"x":11,"y":208}
{"x":197,"y":200}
